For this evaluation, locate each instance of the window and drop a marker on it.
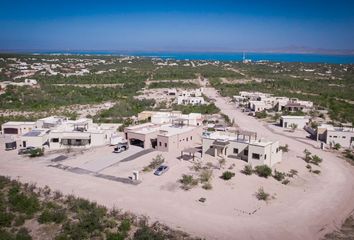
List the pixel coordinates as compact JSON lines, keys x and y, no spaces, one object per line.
{"x":265,"y":156}
{"x":191,"y":137}
{"x":343,"y":137}
{"x":187,"y":139}
{"x":255,"y":156}
{"x":235,"y":150}
{"x":245,"y":152}
{"x":55,"y":140}
{"x":334,"y":136}
{"x":160,"y":144}
{"x":165,"y":145}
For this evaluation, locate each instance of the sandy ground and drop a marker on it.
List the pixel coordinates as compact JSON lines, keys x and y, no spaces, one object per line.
{"x":310,"y":206}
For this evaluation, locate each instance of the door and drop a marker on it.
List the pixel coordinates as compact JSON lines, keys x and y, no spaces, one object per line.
{"x":24,"y":144}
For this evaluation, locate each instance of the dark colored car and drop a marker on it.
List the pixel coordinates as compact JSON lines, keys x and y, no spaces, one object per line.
{"x":161,"y":170}
{"x":26,"y":150}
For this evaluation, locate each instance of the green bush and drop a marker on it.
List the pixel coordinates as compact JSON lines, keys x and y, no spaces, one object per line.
{"x":247,"y":169}
{"x":146,"y":233}
{"x":227,"y":175}
{"x":19,"y":220}
{"x":188,"y":182}
{"x":262,"y":114}
{"x":262,"y":195}
{"x":52,"y":215}
{"x":279,"y":176}
{"x":37,"y":152}
{"x":125,"y":226}
{"x":23,"y":234}
{"x":6,"y":218}
{"x":316,"y":160}
{"x":156,"y":162}
{"x":21,"y":202}
{"x":115,"y":236}
{"x":263,"y":171}
{"x":316,"y":171}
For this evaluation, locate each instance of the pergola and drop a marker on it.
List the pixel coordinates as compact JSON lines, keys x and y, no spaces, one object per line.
{"x":242,"y":134}
{"x":190,"y":151}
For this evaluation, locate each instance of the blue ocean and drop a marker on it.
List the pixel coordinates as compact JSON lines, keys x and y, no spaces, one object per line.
{"x":273,"y":57}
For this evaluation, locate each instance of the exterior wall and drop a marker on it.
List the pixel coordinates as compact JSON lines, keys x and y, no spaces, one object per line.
{"x":34,"y":141}
{"x":179,"y":141}
{"x":21,"y":128}
{"x":300,"y":122}
{"x":344,"y":138}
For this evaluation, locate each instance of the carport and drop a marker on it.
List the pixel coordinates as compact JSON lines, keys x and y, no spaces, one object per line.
{"x":136,"y":142}
{"x":190,"y":152}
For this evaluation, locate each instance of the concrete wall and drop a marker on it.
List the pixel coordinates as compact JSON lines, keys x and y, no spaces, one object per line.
{"x":344,"y":138}
{"x":300,"y":122}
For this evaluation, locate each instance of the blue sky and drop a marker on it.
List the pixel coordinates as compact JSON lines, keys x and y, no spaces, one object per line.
{"x":176,"y":25}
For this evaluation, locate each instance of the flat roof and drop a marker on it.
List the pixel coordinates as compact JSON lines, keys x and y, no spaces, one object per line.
{"x":222,"y":137}
{"x":18,"y":123}
{"x":171,"y":130}
{"x":295,"y":117}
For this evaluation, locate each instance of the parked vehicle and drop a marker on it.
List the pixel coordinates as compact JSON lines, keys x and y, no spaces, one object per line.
{"x":161,"y":170}
{"x":121,"y":147}
{"x":26,"y":150}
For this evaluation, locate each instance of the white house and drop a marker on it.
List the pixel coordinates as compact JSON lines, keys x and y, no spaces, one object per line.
{"x":57,"y":133}
{"x":243,"y":146}
{"x":289,"y":121}
{"x":332,"y":135}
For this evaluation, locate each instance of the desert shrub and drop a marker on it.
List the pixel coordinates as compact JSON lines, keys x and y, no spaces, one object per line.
{"x":4,"y":181}
{"x":205,"y":175}
{"x":125,"y":226}
{"x":22,"y":203}
{"x":157,"y":161}
{"x":349,"y":154}
{"x":262,"y":195}
{"x":292,"y":173}
{"x":247,"y":170}
{"x":316,"y":171}
{"x":115,"y":236}
{"x":37,"y":152}
{"x":188,"y":182}
{"x":146,"y":233}
{"x":284,"y":148}
{"x":279,"y":176}
{"x":293,"y":126}
{"x":57,"y":195}
{"x":227,"y":175}
{"x":307,"y":157}
{"x":316,"y":160}
{"x":6,"y":218}
{"x":207,"y":186}
{"x":262,"y":114}
{"x":19,"y":220}
{"x":308,"y":166}
{"x":337,"y":146}
{"x":52,"y":215}
{"x":285,"y":181}
{"x":263,"y":171}
{"x":23,"y":234}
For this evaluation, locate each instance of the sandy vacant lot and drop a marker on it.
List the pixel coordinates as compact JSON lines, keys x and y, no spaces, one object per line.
{"x":307,"y":208}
